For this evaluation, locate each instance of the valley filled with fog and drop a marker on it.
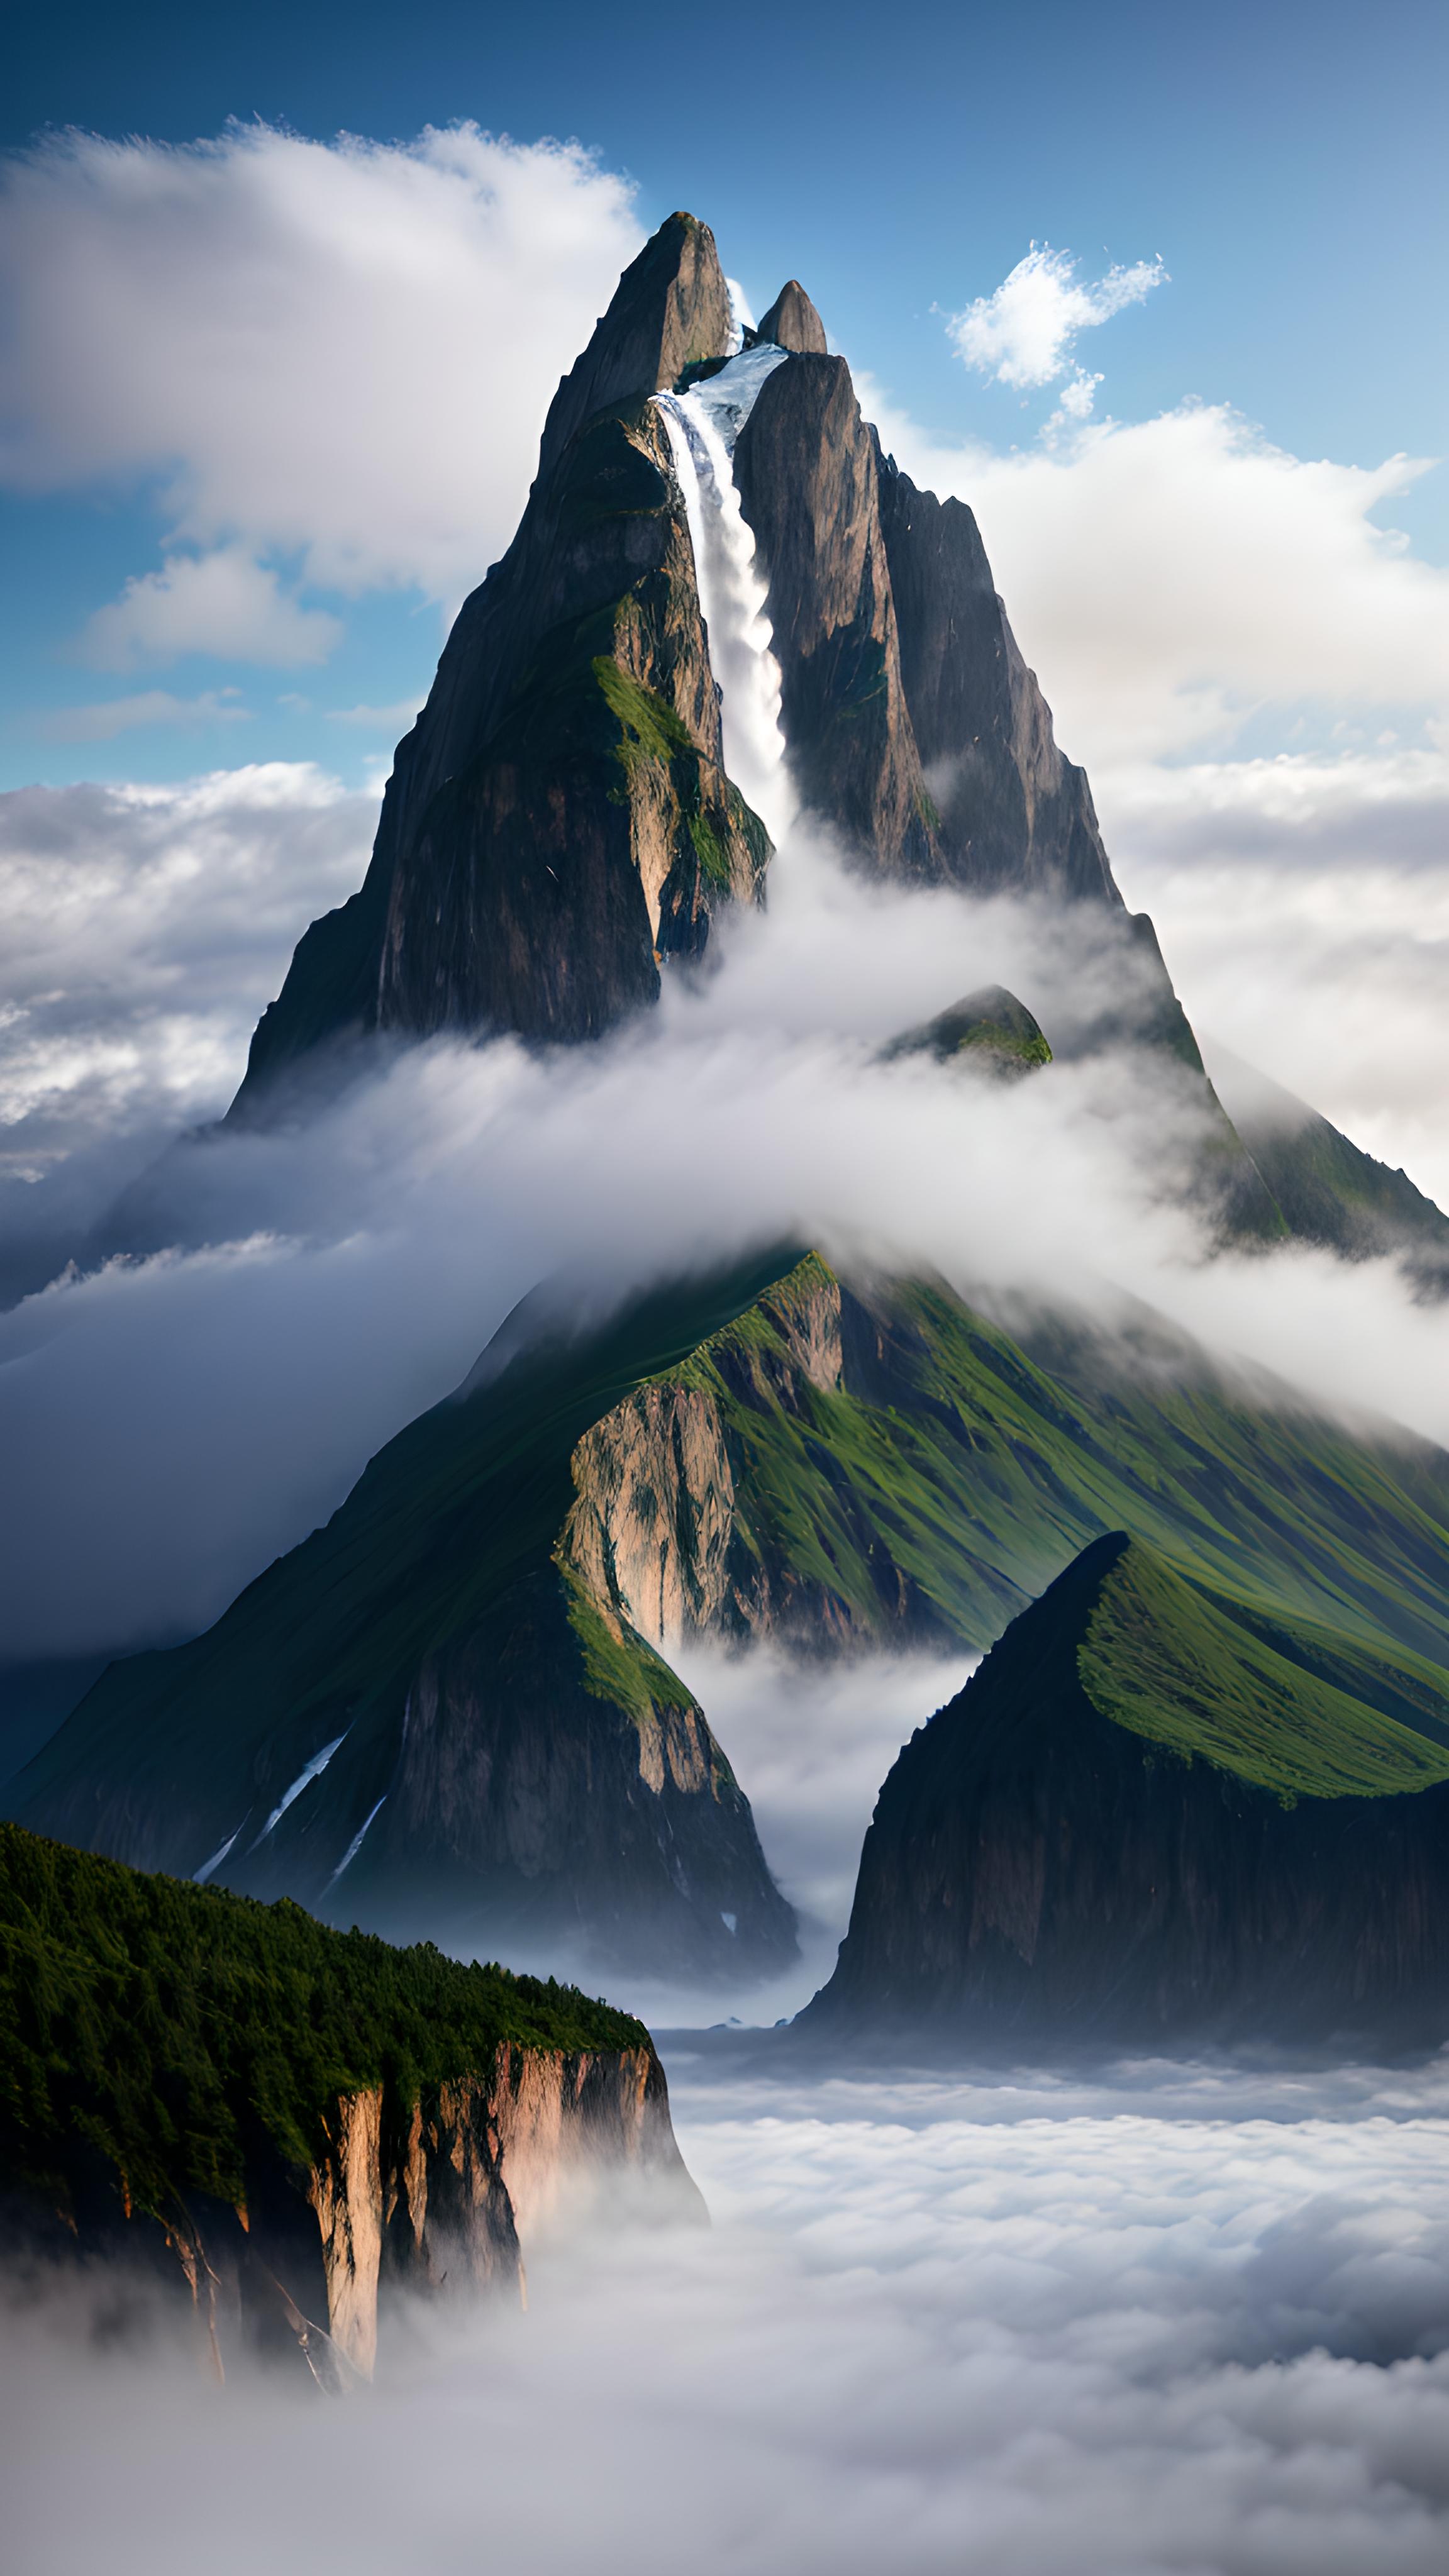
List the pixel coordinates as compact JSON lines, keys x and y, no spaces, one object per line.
{"x":1145,"y":2317}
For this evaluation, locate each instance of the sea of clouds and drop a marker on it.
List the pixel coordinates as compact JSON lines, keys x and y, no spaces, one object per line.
{"x":1143,"y":2320}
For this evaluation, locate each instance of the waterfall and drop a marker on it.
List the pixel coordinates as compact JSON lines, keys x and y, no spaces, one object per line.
{"x":703,"y":425}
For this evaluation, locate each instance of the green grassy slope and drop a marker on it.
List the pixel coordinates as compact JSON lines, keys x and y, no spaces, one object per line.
{"x":954,"y":1460}
{"x":1139,"y":1822}
{"x":461,"y":1505}
{"x":920,"y":1493}
{"x":170,"y":2028}
{"x":1163,"y":1661}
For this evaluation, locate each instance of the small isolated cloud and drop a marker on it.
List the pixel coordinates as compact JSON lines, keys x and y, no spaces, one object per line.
{"x":102,"y":722}
{"x":224,"y":603}
{"x":1024,"y":334}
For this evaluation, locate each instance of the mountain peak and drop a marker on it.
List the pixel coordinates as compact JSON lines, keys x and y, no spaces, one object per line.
{"x":670,"y":310}
{"x":990,"y":1029}
{"x":793,"y":323}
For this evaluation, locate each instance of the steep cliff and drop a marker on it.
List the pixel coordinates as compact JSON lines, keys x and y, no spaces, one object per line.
{"x":425,"y":1718}
{"x":559,"y":823}
{"x":1010,"y":810}
{"x":1154,"y":1813}
{"x":559,"y":819}
{"x":806,"y":473}
{"x":294,"y":2124}
{"x":451,"y":1710}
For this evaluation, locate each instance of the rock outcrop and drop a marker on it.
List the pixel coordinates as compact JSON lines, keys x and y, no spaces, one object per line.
{"x":989,"y":1031}
{"x":1156,"y":1813}
{"x":669,"y":312}
{"x":792,"y":323}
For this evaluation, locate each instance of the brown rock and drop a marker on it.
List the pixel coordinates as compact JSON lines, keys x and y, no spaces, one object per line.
{"x":793,"y":323}
{"x":805,"y":467}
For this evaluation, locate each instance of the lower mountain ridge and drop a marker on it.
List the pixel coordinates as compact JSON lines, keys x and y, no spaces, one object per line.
{"x":1156,"y":1814}
{"x":451,"y":1711}
{"x":284,"y":2124}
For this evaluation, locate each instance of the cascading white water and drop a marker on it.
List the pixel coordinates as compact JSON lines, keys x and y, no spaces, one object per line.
{"x":703,"y":425}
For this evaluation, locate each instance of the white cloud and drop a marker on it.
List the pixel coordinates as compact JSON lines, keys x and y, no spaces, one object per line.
{"x":146,"y":928}
{"x":224,"y":603}
{"x":1120,"y":2322}
{"x":1169,"y":578}
{"x":340,"y":353}
{"x":1304,"y":904}
{"x":352,"y":1266}
{"x":1024,"y":334}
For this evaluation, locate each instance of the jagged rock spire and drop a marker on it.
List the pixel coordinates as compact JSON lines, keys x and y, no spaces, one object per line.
{"x":670,"y":310}
{"x":559,"y":818}
{"x":793,"y":323}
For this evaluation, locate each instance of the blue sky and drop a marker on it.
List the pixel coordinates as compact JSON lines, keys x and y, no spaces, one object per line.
{"x":1281,"y":162}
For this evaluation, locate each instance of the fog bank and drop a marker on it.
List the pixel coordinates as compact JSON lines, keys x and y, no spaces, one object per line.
{"x":1166,"y":2319}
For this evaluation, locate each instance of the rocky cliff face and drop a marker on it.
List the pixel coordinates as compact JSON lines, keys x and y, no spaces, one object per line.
{"x":443,"y":2194}
{"x":302,"y":2127}
{"x":1010,"y":811}
{"x":806,"y":472}
{"x":433,"y":2196}
{"x":559,"y":819}
{"x":429,"y":1717}
{"x":1141,"y":1820}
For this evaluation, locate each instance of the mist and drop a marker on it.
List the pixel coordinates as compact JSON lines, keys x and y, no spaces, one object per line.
{"x":1126,"y":2318}
{"x":187,"y":1414}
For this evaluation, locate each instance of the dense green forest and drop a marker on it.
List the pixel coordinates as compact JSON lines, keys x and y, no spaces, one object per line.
{"x":172,"y":2030}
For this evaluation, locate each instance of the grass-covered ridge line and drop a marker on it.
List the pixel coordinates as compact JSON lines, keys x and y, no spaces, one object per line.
{"x":1161,"y":1660}
{"x":975,"y":1466}
{"x":175,"y":2028}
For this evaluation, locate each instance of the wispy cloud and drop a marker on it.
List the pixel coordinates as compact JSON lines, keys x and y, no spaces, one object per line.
{"x":378,"y":719}
{"x":112,"y":716}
